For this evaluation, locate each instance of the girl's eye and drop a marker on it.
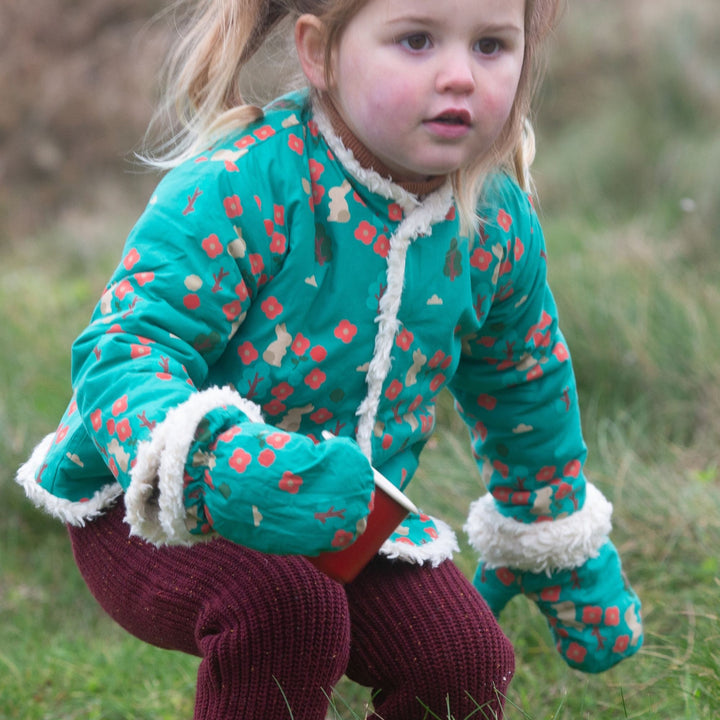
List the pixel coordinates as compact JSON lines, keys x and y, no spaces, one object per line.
{"x":419,"y":41}
{"x":488,"y":46}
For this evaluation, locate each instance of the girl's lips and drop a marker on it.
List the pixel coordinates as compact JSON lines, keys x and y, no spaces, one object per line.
{"x":450,"y":124}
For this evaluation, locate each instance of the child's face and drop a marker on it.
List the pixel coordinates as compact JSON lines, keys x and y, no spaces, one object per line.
{"x":427,"y":85}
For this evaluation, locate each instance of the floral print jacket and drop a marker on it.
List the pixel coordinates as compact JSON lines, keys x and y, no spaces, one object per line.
{"x":274,"y":292}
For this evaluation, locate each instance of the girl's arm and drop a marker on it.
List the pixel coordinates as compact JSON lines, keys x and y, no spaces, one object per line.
{"x":542,"y":529}
{"x":199,"y":462}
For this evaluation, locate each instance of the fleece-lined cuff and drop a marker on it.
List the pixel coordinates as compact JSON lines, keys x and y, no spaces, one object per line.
{"x":71,"y":512}
{"x":154,"y":500}
{"x":546,"y":546}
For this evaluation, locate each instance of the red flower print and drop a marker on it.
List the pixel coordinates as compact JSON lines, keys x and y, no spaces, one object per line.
{"x":436,"y":359}
{"x":342,"y":539}
{"x":296,"y":144}
{"x":321,"y":416}
{"x":318,"y":353}
{"x":404,"y":339}
{"x":534,"y":373}
{"x":239,"y":460}
{"x":60,"y":434}
{"x":279,"y":214}
{"x":137,"y":351}
{"x":365,"y":232}
{"x":345,"y":331}
{"x":191,"y":301}
{"x":427,"y":422}
{"x":112,"y":466}
{"x":122,"y":289}
{"x":550,"y":594}
{"x":621,"y":644}
{"x":269,"y":227}
{"x":316,"y":170}
{"x":519,"y":249}
{"x":386,"y":441}
{"x":481,"y":259}
{"x":96,"y":419}
{"x":545,"y":474}
{"x":266,"y":457}
{"x":245,"y":142}
{"x":592,"y":615}
{"x":278,"y":440}
{"x":278,"y":243}
{"x":264,"y":132}
{"x":395,"y":212}
{"x":502,"y":468}
{"x":232,"y":309}
{"x":521,"y":497}
{"x":572,"y":469}
{"x":212,"y":246}
{"x":505,"y":576}
{"x":415,"y":404}
{"x":289,"y":482}
{"x":131,"y":259}
{"x":271,"y":307}
{"x":241,"y":291}
{"x":120,"y":406}
{"x":393,"y":390}
{"x":283,"y":391}
{"x":502,"y":493}
{"x":436,"y":382}
{"x":318,"y":191}
{"x":143,"y":278}
{"x":504,"y":220}
{"x":257,"y":264}
{"x":612,"y":616}
{"x":315,"y":379}
{"x":561,"y":352}
{"x":233,"y":206}
{"x":487,"y":401}
{"x":123,"y":429}
{"x":247,"y":353}
{"x":229,"y":434}
{"x":300,"y":344}
{"x":382,"y":246}
{"x":576,"y":652}
{"x":274,"y":407}
{"x":313,"y":128}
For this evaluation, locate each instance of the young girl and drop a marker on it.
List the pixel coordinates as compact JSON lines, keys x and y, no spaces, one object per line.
{"x":327,"y":265}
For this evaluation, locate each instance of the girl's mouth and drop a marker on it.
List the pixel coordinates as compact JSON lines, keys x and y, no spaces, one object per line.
{"x":453,"y":117}
{"x":450,"y":125}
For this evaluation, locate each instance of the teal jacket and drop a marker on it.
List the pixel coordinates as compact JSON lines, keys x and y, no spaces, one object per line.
{"x":275,"y":291}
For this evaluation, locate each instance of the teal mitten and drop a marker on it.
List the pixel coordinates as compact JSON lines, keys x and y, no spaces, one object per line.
{"x":593,"y":613}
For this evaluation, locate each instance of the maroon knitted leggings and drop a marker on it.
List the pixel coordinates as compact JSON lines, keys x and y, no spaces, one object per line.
{"x":275,"y":634}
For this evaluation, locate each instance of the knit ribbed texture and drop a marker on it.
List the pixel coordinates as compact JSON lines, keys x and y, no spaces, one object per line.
{"x":425,"y":639}
{"x":275,"y":634}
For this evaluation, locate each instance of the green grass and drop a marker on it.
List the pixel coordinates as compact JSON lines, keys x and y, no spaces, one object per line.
{"x":628,"y":176}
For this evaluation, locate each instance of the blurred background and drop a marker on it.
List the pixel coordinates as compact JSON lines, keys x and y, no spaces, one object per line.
{"x":628,"y":177}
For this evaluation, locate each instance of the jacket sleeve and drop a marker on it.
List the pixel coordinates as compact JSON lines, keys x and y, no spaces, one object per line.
{"x":196,"y":461}
{"x":542,"y":529}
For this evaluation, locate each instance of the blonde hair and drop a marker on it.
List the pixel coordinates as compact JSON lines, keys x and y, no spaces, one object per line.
{"x":202,"y":97}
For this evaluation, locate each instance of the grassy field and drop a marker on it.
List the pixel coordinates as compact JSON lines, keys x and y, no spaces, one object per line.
{"x":628,"y":174}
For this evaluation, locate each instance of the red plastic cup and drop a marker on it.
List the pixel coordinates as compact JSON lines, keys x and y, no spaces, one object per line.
{"x":389,"y":508}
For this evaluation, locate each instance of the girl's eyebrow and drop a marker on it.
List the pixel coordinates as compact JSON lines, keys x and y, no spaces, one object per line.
{"x":492,"y":28}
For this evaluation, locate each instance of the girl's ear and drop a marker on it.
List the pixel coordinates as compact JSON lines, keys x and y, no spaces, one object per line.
{"x":310,"y":44}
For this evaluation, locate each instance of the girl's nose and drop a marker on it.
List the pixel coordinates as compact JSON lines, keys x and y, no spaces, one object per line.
{"x":455,"y":72}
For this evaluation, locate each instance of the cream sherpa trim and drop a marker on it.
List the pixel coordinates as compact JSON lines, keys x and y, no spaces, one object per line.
{"x":436,"y":551}
{"x":419,"y":218}
{"x":154,"y":500}
{"x":541,"y":546}
{"x":71,"y":512}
